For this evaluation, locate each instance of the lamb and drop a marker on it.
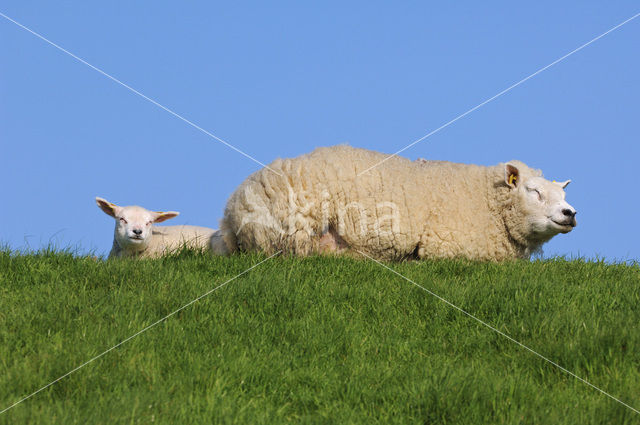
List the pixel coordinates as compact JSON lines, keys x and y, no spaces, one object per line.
{"x":331,"y":201}
{"x":136,"y":236}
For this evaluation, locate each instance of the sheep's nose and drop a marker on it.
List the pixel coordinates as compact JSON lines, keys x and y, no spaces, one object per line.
{"x":137,"y":231}
{"x":568,"y":212}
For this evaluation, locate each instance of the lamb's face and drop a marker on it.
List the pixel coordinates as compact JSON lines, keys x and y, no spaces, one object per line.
{"x":133,"y":227}
{"x":133,"y":224}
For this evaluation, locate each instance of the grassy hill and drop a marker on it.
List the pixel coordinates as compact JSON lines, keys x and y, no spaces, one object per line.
{"x":316,"y":340}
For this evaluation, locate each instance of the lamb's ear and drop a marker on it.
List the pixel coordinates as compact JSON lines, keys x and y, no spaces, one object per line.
{"x":164,"y":216}
{"x":511,"y":176}
{"x":564,"y":184}
{"x":107,"y":207}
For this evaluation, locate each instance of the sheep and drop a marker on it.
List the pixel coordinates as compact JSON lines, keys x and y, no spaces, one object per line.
{"x":135,"y":235}
{"x":331,"y":201}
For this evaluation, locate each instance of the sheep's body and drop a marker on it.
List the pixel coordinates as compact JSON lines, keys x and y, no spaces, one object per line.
{"x":398,"y":209}
{"x":167,"y":239}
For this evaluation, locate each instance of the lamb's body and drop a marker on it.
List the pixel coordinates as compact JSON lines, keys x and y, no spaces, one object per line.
{"x":167,"y":239}
{"x":399,"y":209}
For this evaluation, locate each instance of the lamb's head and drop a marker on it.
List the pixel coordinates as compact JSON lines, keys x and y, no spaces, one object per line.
{"x":538,"y":208}
{"x":133,"y":224}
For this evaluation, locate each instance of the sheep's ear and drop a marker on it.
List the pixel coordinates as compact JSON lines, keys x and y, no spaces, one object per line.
{"x":562,"y":184}
{"x":107,"y":207}
{"x":511,"y":176}
{"x":164,"y":216}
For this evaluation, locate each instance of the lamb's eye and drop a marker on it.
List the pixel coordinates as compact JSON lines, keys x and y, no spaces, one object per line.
{"x":122,"y":220}
{"x":149,"y":223}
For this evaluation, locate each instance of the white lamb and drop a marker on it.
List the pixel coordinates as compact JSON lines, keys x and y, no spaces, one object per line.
{"x":333,"y":200}
{"x":136,"y":236}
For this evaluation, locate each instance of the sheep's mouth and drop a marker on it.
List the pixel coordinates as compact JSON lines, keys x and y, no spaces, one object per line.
{"x":135,"y":238}
{"x":566,"y":227}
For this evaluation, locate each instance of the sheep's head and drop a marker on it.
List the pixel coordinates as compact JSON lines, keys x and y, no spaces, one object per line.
{"x":133,"y":224}
{"x":539,"y":206}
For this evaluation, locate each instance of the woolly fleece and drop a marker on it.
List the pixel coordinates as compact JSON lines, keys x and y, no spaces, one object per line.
{"x":400,"y":209}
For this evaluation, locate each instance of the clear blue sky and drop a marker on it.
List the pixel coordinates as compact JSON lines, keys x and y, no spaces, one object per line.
{"x":283,"y":78}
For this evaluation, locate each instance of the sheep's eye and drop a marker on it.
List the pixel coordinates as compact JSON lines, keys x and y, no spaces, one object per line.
{"x":149,"y":223}
{"x":537,"y":192}
{"x":122,"y":220}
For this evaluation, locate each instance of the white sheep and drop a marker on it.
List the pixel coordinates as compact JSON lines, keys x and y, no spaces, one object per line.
{"x":136,"y":236}
{"x":327,"y":201}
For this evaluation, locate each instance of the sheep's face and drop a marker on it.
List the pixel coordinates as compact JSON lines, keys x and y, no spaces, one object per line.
{"x":133,"y":224}
{"x":541,"y":205}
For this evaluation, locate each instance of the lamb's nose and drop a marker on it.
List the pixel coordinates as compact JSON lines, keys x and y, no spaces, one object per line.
{"x":568,"y":212}
{"x":137,"y":231}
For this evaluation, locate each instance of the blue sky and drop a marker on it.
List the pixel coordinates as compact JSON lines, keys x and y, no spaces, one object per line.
{"x":278,"y":80}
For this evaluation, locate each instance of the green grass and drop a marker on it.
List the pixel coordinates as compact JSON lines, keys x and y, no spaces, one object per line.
{"x":316,"y":340}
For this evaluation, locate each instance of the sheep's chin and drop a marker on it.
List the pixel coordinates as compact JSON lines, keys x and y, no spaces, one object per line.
{"x":562,"y":228}
{"x":551,"y":228}
{"x":543,"y":230}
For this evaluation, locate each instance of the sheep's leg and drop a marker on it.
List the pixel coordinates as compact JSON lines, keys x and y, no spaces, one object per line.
{"x":331,"y":242}
{"x":218,"y":244}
